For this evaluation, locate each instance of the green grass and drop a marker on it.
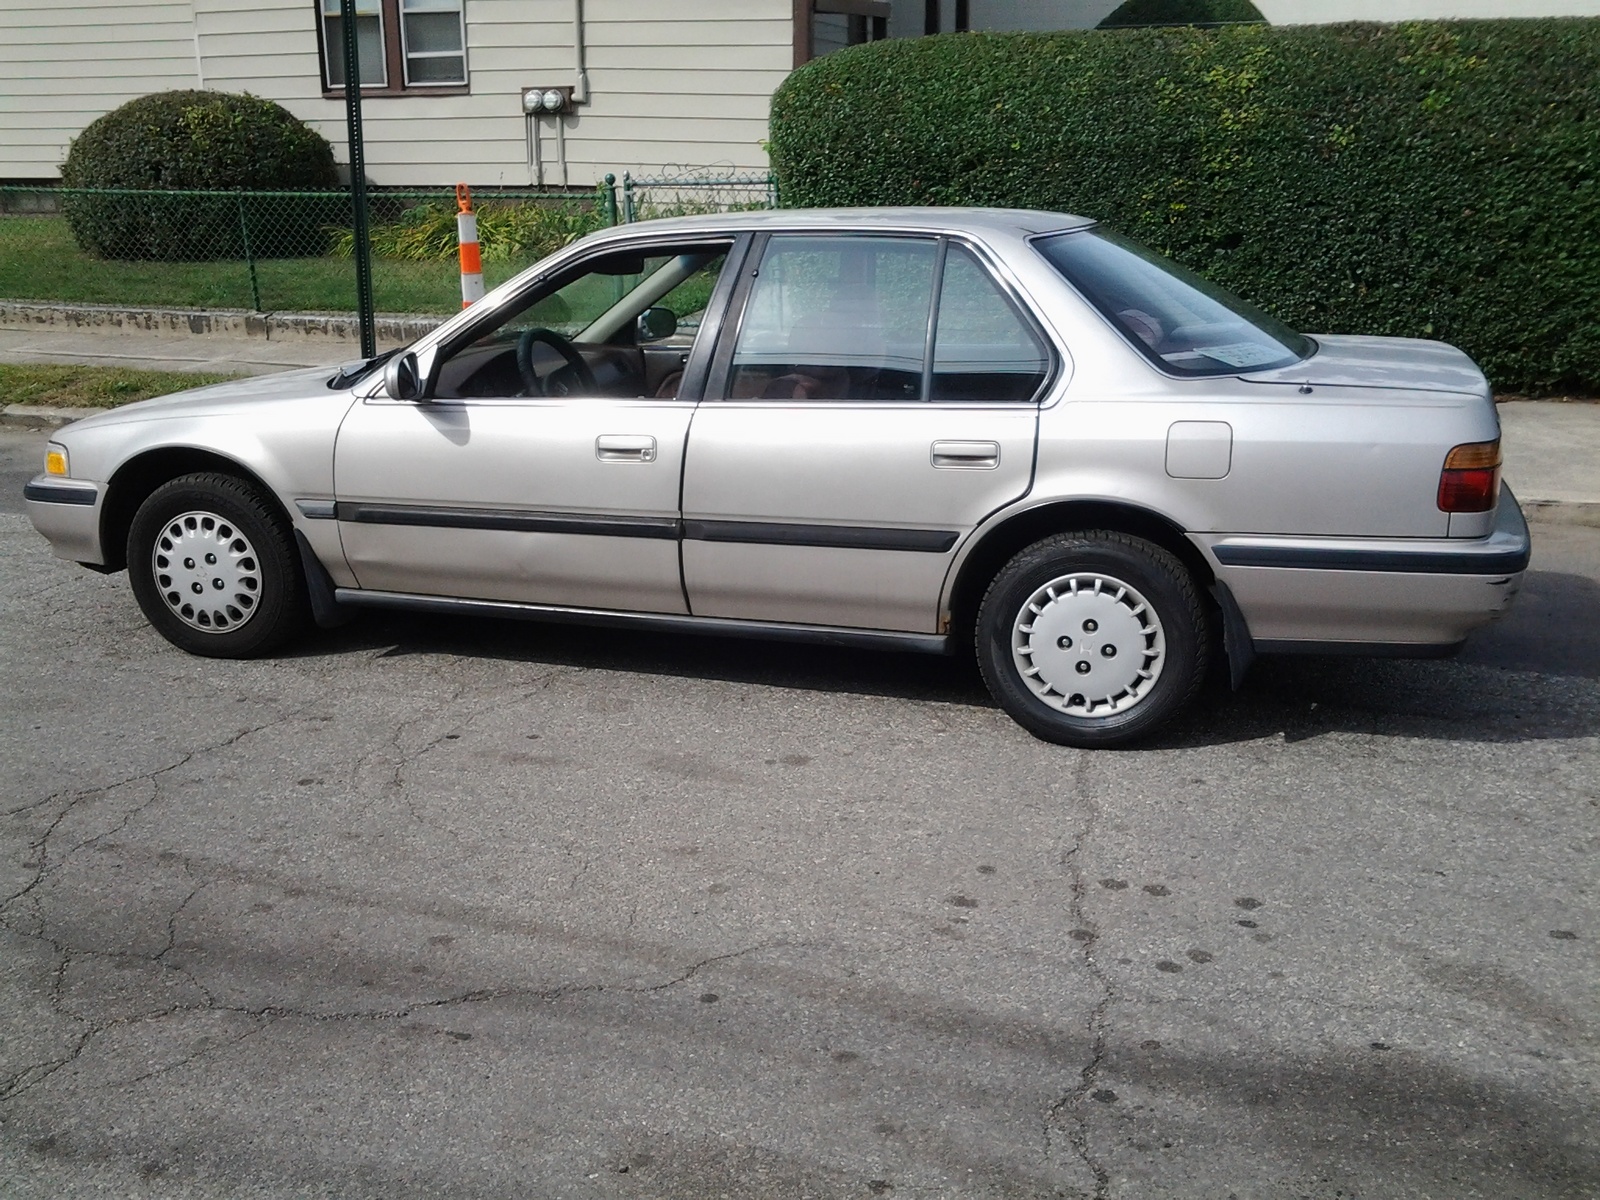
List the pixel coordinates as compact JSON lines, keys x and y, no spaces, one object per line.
{"x":91,"y":387}
{"x":40,"y":261}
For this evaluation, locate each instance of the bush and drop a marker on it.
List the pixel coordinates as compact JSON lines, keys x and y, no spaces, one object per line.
{"x":519,"y":232}
{"x":198,"y":141}
{"x":1180,"y":12}
{"x":1434,"y":180}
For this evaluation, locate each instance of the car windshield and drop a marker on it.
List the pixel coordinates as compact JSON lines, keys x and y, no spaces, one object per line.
{"x":1184,"y":324}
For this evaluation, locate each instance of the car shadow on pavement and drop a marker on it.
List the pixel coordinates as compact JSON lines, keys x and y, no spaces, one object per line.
{"x":908,"y":676}
{"x":1523,"y":679}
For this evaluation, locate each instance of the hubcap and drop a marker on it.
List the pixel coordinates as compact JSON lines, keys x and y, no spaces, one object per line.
{"x":1088,"y":645}
{"x":207,"y":572}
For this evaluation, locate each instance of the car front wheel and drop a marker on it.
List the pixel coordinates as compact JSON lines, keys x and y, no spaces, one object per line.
{"x":1093,"y":639}
{"x":214,"y":569}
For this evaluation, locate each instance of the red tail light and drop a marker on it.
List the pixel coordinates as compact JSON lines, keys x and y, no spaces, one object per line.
{"x":1470,"y":481}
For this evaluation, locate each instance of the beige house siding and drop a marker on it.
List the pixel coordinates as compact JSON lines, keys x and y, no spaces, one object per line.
{"x":63,"y":65}
{"x":686,"y":85}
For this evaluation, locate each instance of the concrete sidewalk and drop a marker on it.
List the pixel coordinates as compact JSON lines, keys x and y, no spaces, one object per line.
{"x":164,"y":352}
{"x":1552,"y":447}
{"x":177,"y":339}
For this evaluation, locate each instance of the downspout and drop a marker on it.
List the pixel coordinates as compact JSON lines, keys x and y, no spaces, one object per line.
{"x":580,"y":90}
{"x":199,"y":61}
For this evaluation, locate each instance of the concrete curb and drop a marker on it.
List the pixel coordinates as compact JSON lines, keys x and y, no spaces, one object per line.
{"x":38,"y":416}
{"x":1562,"y":512}
{"x":204,"y":322}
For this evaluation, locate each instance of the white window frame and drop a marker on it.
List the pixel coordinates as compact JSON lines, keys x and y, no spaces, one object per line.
{"x":406,"y":54}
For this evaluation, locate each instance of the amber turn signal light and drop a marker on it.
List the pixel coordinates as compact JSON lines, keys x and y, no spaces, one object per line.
{"x":1470,"y":481}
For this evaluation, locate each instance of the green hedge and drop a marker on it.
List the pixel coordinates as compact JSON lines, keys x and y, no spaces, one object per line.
{"x":198,"y":141}
{"x":1426,"y":179}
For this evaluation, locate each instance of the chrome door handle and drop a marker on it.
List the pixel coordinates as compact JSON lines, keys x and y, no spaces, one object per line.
{"x":622,"y":447}
{"x":967,"y":456}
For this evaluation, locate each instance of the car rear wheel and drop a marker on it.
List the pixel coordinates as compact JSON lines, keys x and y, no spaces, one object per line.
{"x":1093,"y":639}
{"x":214,"y":568}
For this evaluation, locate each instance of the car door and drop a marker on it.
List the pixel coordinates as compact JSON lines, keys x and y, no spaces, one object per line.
{"x":544,"y":465}
{"x":876,"y":400}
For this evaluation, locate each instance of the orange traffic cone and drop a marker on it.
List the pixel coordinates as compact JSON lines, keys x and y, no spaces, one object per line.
{"x":471,"y":259}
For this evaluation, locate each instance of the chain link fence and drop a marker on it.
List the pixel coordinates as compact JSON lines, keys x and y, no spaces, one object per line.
{"x":294,"y":251}
{"x":689,"y":192}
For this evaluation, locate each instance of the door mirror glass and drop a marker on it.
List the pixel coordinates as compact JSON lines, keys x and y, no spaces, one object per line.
{"x":401,"y":378}
{"x":657,"y":323}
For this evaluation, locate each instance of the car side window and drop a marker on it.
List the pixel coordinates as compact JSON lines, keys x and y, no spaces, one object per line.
{"x":619,"y":325}
{"x":983,"y":349}
{"x":836,"y":318}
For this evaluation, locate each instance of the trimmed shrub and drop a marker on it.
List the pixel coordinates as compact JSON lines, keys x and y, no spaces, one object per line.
{"x":1426,"y":179}
{"x":1180,"y":12}
{"x":198,"y":141}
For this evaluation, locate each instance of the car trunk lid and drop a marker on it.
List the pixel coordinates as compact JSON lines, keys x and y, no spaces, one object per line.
{"x":1401,"y":364}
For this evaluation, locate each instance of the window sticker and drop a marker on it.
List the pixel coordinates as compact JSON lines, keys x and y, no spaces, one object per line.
{"x":1241,"y":354}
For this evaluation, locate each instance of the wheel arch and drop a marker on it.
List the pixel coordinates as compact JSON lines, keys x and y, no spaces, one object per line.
{"x":994,"y":547}
{"x":133,"y":482}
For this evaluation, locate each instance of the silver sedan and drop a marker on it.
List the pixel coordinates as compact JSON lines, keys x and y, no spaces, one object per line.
{"x":1014,"y":433}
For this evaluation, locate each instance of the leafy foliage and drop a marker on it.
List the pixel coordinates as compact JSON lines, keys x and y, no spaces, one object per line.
{"x":1180,"y":12}
{"x":196,"y":141}
{"x":507,"y":232}
{"x":1424,"y":179}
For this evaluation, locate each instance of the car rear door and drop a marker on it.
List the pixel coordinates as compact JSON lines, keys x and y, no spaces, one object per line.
{"x":874,"y":401}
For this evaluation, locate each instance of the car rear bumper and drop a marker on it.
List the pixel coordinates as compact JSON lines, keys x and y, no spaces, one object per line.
{"x":1392,"y":596}
{"x":67,"y":512}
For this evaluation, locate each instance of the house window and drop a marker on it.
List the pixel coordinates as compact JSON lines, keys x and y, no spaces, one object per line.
{"x":823,"y":26}
{"x":434,"y":42}
{"x":401,"y":44}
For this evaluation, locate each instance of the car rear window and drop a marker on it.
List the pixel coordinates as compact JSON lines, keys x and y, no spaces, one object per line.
{"x":1182,"y":323}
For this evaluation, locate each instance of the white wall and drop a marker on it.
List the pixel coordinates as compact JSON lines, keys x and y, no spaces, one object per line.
{"x":1040,"y":14}
{"x":687,"y":85}
{"x":1322,"y":12}
{"x":63,"y":65}
{"x":907,"y":20}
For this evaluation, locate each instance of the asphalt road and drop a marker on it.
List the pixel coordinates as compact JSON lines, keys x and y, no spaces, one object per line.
{"x":449,"y":908}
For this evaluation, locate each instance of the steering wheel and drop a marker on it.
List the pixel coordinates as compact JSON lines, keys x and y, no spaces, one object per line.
{"x":568,"y":352}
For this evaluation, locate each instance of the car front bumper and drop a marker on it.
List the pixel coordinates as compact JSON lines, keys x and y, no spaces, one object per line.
{"x":1396,"y":596}
{"x":67,"y":512}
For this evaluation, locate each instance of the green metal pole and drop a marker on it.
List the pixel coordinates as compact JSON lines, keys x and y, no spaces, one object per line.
{"x":358,"y":179}
{"x":611,"y":199}
{"x":249,"y":258}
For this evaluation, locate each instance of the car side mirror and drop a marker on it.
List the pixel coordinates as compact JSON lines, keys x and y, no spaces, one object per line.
{"x":657,"y":323}
{"x":401,"y":378}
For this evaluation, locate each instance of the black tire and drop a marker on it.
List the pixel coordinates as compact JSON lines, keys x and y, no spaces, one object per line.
{"x":214,"y":568}
{"x":1073,"y":672}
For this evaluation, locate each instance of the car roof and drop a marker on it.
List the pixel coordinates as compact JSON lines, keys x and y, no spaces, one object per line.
{"x":1005,"y":221}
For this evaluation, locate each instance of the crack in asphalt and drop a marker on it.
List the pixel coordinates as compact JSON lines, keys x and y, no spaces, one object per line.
{"x":32,"y":1075}
{"x":39,"y":848}
{"x":1072,"y":1103}
{"x":403,"y":759}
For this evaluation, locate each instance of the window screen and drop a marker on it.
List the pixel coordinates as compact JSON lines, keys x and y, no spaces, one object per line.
{"x":369,"y":42}
{"x":434,"y":50}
